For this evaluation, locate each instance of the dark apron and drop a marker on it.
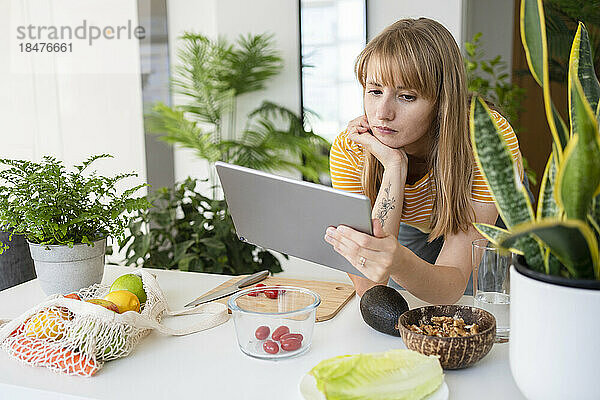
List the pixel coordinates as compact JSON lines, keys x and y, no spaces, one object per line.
{"x":416,"y":241}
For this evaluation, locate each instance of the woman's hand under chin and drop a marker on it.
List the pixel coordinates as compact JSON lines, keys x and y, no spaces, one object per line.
{"x":360,"y":132}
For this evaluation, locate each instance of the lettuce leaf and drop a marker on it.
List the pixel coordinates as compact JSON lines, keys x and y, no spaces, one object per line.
{"x":392,"y":375}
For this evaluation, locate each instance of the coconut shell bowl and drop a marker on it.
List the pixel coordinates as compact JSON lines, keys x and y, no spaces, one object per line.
{"x":454,"y":352}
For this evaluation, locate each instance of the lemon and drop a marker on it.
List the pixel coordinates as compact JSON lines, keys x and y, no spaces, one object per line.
{"x":131,"y":282}
{"x":47,"y":324}
{"x":125,"y":300}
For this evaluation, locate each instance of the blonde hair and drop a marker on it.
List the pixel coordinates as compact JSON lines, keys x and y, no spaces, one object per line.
{"x":423,"y":54}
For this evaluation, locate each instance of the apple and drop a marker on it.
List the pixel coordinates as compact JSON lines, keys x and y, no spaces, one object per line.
{"x":132,"y":283}
{"x":105,"y":303}
{"x":73,"y":296}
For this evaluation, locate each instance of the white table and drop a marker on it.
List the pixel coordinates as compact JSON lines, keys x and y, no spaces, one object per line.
{"x":209,"y":364}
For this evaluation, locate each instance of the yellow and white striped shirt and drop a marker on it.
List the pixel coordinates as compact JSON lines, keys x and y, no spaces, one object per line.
{"x":346,"y":163}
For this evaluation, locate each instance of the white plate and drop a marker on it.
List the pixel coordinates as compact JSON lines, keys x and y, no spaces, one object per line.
{"x":309,"y":391}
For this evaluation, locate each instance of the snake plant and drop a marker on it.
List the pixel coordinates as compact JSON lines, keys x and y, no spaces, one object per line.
{"x":561,"y":236}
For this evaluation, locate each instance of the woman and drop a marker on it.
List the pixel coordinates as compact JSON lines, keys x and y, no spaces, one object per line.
{"x":411,"y":154}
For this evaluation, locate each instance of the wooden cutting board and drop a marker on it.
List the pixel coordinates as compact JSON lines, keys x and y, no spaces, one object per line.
{"x":334,"y":295}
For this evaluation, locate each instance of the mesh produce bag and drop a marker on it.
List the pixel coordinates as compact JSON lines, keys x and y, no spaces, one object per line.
{"x":76,"y":337}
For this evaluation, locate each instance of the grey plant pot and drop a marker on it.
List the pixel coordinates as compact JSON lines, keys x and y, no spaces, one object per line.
{"x":62,"y":270}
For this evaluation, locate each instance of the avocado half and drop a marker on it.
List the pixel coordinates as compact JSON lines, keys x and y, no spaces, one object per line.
{"x":381,"y":306}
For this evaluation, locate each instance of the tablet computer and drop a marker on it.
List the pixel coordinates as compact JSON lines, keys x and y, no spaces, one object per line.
{"x":291,"y":216}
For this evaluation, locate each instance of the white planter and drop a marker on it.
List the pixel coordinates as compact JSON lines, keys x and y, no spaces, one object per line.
{"x":61,"y":269}
{"x":554,"y":339}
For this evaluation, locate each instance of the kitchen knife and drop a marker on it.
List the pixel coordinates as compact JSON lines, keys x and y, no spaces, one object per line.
{"x":229,"y":290}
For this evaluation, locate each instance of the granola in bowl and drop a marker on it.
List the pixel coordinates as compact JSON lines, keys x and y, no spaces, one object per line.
{"x":445,"y":327}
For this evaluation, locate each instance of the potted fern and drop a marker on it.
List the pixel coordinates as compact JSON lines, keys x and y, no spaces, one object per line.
{"x":66,"y":217}
{"x":556,"y":281}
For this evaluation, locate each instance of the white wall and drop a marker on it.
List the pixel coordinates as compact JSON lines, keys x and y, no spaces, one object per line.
{"x":449,"y":13}
{"x":188,"y":16}
{"x":17,"y":108}
{"x":495,"y":20}
{"x":463,"y":18}
{"x":46,"y":108}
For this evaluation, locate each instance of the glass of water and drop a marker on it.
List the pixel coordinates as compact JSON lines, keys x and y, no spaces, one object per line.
{"x":491,"y":283}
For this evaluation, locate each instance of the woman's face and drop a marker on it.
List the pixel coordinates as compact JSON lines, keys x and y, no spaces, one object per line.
{"x":398,"y":116}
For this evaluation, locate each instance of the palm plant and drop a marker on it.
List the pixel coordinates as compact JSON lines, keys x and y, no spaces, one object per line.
{"x":561,"y":237}
{"x":211,"y":76}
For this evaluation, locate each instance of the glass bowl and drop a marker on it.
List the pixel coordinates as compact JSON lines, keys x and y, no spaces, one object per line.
{"x":289,"y":307}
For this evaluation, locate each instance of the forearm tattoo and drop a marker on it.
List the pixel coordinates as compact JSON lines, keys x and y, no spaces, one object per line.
{"x":386,"y":205}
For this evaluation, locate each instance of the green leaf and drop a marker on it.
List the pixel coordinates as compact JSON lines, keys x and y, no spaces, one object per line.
{"x":180,"y":250}
{"x":571,"y":241}
{"x":491,"y":232}
{"x":254,"y":63}
{"x":560,"y":132}
{"x":175,"y":128}
{"x":532,"y":249}
{"x":594,"y":216}
{"x":145,"y":244}
{"x":213,"y":244}
{"x":486,"y":68}
{"x":3,"y":247}
{"x":185,"y":262}
{"x":496,"y":235}
{"x":547,"y":207}
{"x":502,"y":176}
{"x":470,"y":48}
{"x":498,"y":167}
{"x":160,"y":259}
{"x":578,"y":179}
{"x":581,"y":65}
{"x":533,"y":36}
{"x":552,"y":264}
